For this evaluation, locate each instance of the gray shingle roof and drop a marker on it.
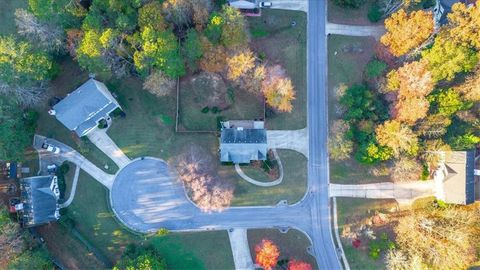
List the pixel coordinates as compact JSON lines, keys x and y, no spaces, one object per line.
{"x":459,"y":185}
{"x":40,"y":204}
{"x":243,"y":145}
{"x":83,"y":108}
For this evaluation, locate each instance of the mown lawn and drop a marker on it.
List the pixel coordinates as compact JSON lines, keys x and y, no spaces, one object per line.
{"x":281,"y":43}
{"x":351,"y":210}
{"x":354,"y":16}
{"x":292,"y":245}
{"x":347,"y":58}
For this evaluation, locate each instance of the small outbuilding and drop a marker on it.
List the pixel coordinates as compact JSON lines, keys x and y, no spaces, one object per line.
{"x":39,"y":200}
{"x":456,"y":178}
{"x":84,"y":108}
{"x":243,"y":141}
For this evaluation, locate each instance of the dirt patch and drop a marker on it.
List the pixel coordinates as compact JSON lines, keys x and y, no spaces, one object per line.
{"x":210,"y":90}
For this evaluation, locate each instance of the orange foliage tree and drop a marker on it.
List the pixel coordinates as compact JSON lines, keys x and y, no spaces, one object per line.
{"x":267,"y":254}
{"x":298,"y":265}
{"x":214,"y":56}
{"x":278,"y":89}
{"x":407,"y":31}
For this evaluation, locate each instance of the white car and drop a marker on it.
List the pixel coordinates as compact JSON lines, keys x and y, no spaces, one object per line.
{"x":265,"y":4}
{"x":51,"y":148}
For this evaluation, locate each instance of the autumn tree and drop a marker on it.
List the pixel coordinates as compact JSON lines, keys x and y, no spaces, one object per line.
{"x":239,"y":64}
{"x":298,"y":265}
{"x":159,"y":84}
{"x":407,"y":31}
{"x":370,"y":152}
{"x":447,"y":102}
{"x":439,"y":238}
{"x":399,"y":137}
{"x":470,"y":89}
{"x":405,"y":169}
{"x":267,"y":254}
{"x":339,"y":146}
{"x":140,"y":258}
{"x":433,"y":126}
{"x":214,"y":57}
{"x":182,"y":13}
{"x":447,"y":58}
{"x":89,"y":52}
{"x":431,"y":152}
{"x":150,"y":15}
{"x":464,"y":24}
{"x":409,"y":110}
{"x":192,"y":49}
{"x":158,"y":50}
{"x":278,"y":89}
{"x":234,"y":33}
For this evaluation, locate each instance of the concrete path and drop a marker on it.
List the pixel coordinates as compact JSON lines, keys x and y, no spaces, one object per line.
{"x":69,"y":154}
{"x":240,"y":249}
{"x":73,"y":189}
{"x":279,"y":180}
{"x":337,"y":236}
{"x":301,"y":5}
{"x":289,"y":139}
{"x":399,"y":191}
{"x":355,"y":30}
{"x":100,"y":138}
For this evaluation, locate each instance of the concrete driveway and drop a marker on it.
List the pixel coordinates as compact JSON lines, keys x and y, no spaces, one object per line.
{"x":301,"y":5}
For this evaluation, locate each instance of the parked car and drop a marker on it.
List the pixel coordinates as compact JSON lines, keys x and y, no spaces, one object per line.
{"x":51,"y":148}
{"x":13,"y":202}
{"x":52,"y":168}
{"x":265,"y":4}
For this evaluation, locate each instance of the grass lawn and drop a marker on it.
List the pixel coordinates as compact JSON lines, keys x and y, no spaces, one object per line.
{"x":258,"y":174}
{"x":69,"y":179}
{"x":95,"y":221}
{"x":31,"y":161}
{"x":346,"y":66}
{"x":285,"y":45}
{"x":341,"y":15}
{"x":351,"y":210}
{"x":195,"y":97}
{"x":7,"y":15}
{"x":292,"y":245}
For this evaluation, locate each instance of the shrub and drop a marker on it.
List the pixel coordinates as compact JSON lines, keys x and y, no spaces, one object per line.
{"x":375,"y":68}
{"x":349,"y":3}
{"x":163,"y":232}
{"x":102,"y":124}
{"x":230,"y":95}
{"x":61,"y":172}
{"x":262,"y":56}
{"x":374,"y":13}
{"x":215,"y":110}
{"x":205,"y":109}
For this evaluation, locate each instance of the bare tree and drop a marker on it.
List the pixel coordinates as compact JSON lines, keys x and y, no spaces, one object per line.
{"x":405,"y":169}
{"x":26,"y":95}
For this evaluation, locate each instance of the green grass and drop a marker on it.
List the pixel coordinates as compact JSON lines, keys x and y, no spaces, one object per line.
{"x":347,"y":67}
{"x":292,"y":245}
{"x":69,"y":179}
{"x":258,"y":174}
{"x":7,"y":15}
{"x":338,"y":14}
{"x":351,"y":210}
{"x":31,"y":161}
{"x":285,"y":45}
{"x":191,"y":118}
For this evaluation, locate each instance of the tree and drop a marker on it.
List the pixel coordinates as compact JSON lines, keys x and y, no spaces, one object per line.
{"x":405,"y":169}
{"x":159,"y":84}
{"x":267,"y":254}
{"x":214,"y":28}
{"x":214,"y":56}
{"x":234,"y":33}
{"x":414,"y":80}
{"x":145,"y":258}
{"x":464,"y":24}
{"x":11,"y":241}
{"x":278,"y":89}
{"x":298,"y":265}
{"x":89,"y":53}
{"x":183,"y":12}
{"x":16,"y":130}
{"x":150,"y":15}
{"x":439,"y":238}
{"x":32,"y":259}
{"x":21,"y":65}
{"x":431,"y":152}
{"x":447,"y":102}
{"x":407,"y":31}
{"x":465,"y":141}
{"x":239,"y":64}
{"x":434,"y":126}
{"x":192,"y":49}
{"x":375,"y":68}
{"x":410,"y":110}
{"x":361,"y":103}
{"x":48,"y":37}
{"x":159,"y":50}
{"x":446,"y":58}
{"x":371,"y":152}
{"x":470,"y":89}
{"x":350,"y":3}
{"x":397,"y":137}
{"x":339,"y":146}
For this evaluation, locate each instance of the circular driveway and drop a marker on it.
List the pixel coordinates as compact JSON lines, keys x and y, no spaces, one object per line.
{"x":146,"y":196}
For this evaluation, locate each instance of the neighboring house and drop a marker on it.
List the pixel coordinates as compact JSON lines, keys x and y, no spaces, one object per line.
{"x":39,"y":200}
{"x":455,"y":179}
{"x":243,"y":141}
{"x":442,"y":8}
{"x":82,"y":110}
{"x":243,"y":4}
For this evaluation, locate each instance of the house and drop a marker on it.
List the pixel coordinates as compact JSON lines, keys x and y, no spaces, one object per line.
{"x":39,"y":200}
{"x":455,"y":179}
{"x":84,"y":108}
{"x":243,"y":141}
{"x":243,"y":4}
{"x":443,"y":7}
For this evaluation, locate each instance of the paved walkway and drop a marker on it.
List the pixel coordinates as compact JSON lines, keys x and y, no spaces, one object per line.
{"x":289,"y":139}
{"x":100,"y":138}
{"x":355,"y":30}
{"x":400,"y":191}
{"x":73,"y":190}
{"x":301,"y":5}
{"x":69,"y":154}
{"x":279,"y":180}
{"x":240,"y":249}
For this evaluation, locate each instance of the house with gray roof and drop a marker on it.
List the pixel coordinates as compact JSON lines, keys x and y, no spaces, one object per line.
{"x":243,"y":141}
{"x":243,"y":4}
{"x":39,"y":200}
{"x":455,"y":180}
{"x":443,"y":7}
{"x":82,"y":110}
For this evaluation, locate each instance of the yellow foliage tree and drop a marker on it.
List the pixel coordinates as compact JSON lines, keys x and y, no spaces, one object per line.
{"x":470,"y":89}
{"x":407,"y":31}
{"x":239,"y":64}
{"x":400,"y":138}
{"x":278,"y":89}
{"x":464,"y":24}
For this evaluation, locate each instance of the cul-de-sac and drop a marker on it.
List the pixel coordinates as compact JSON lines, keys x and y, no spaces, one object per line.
{"x":239,"y":134}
